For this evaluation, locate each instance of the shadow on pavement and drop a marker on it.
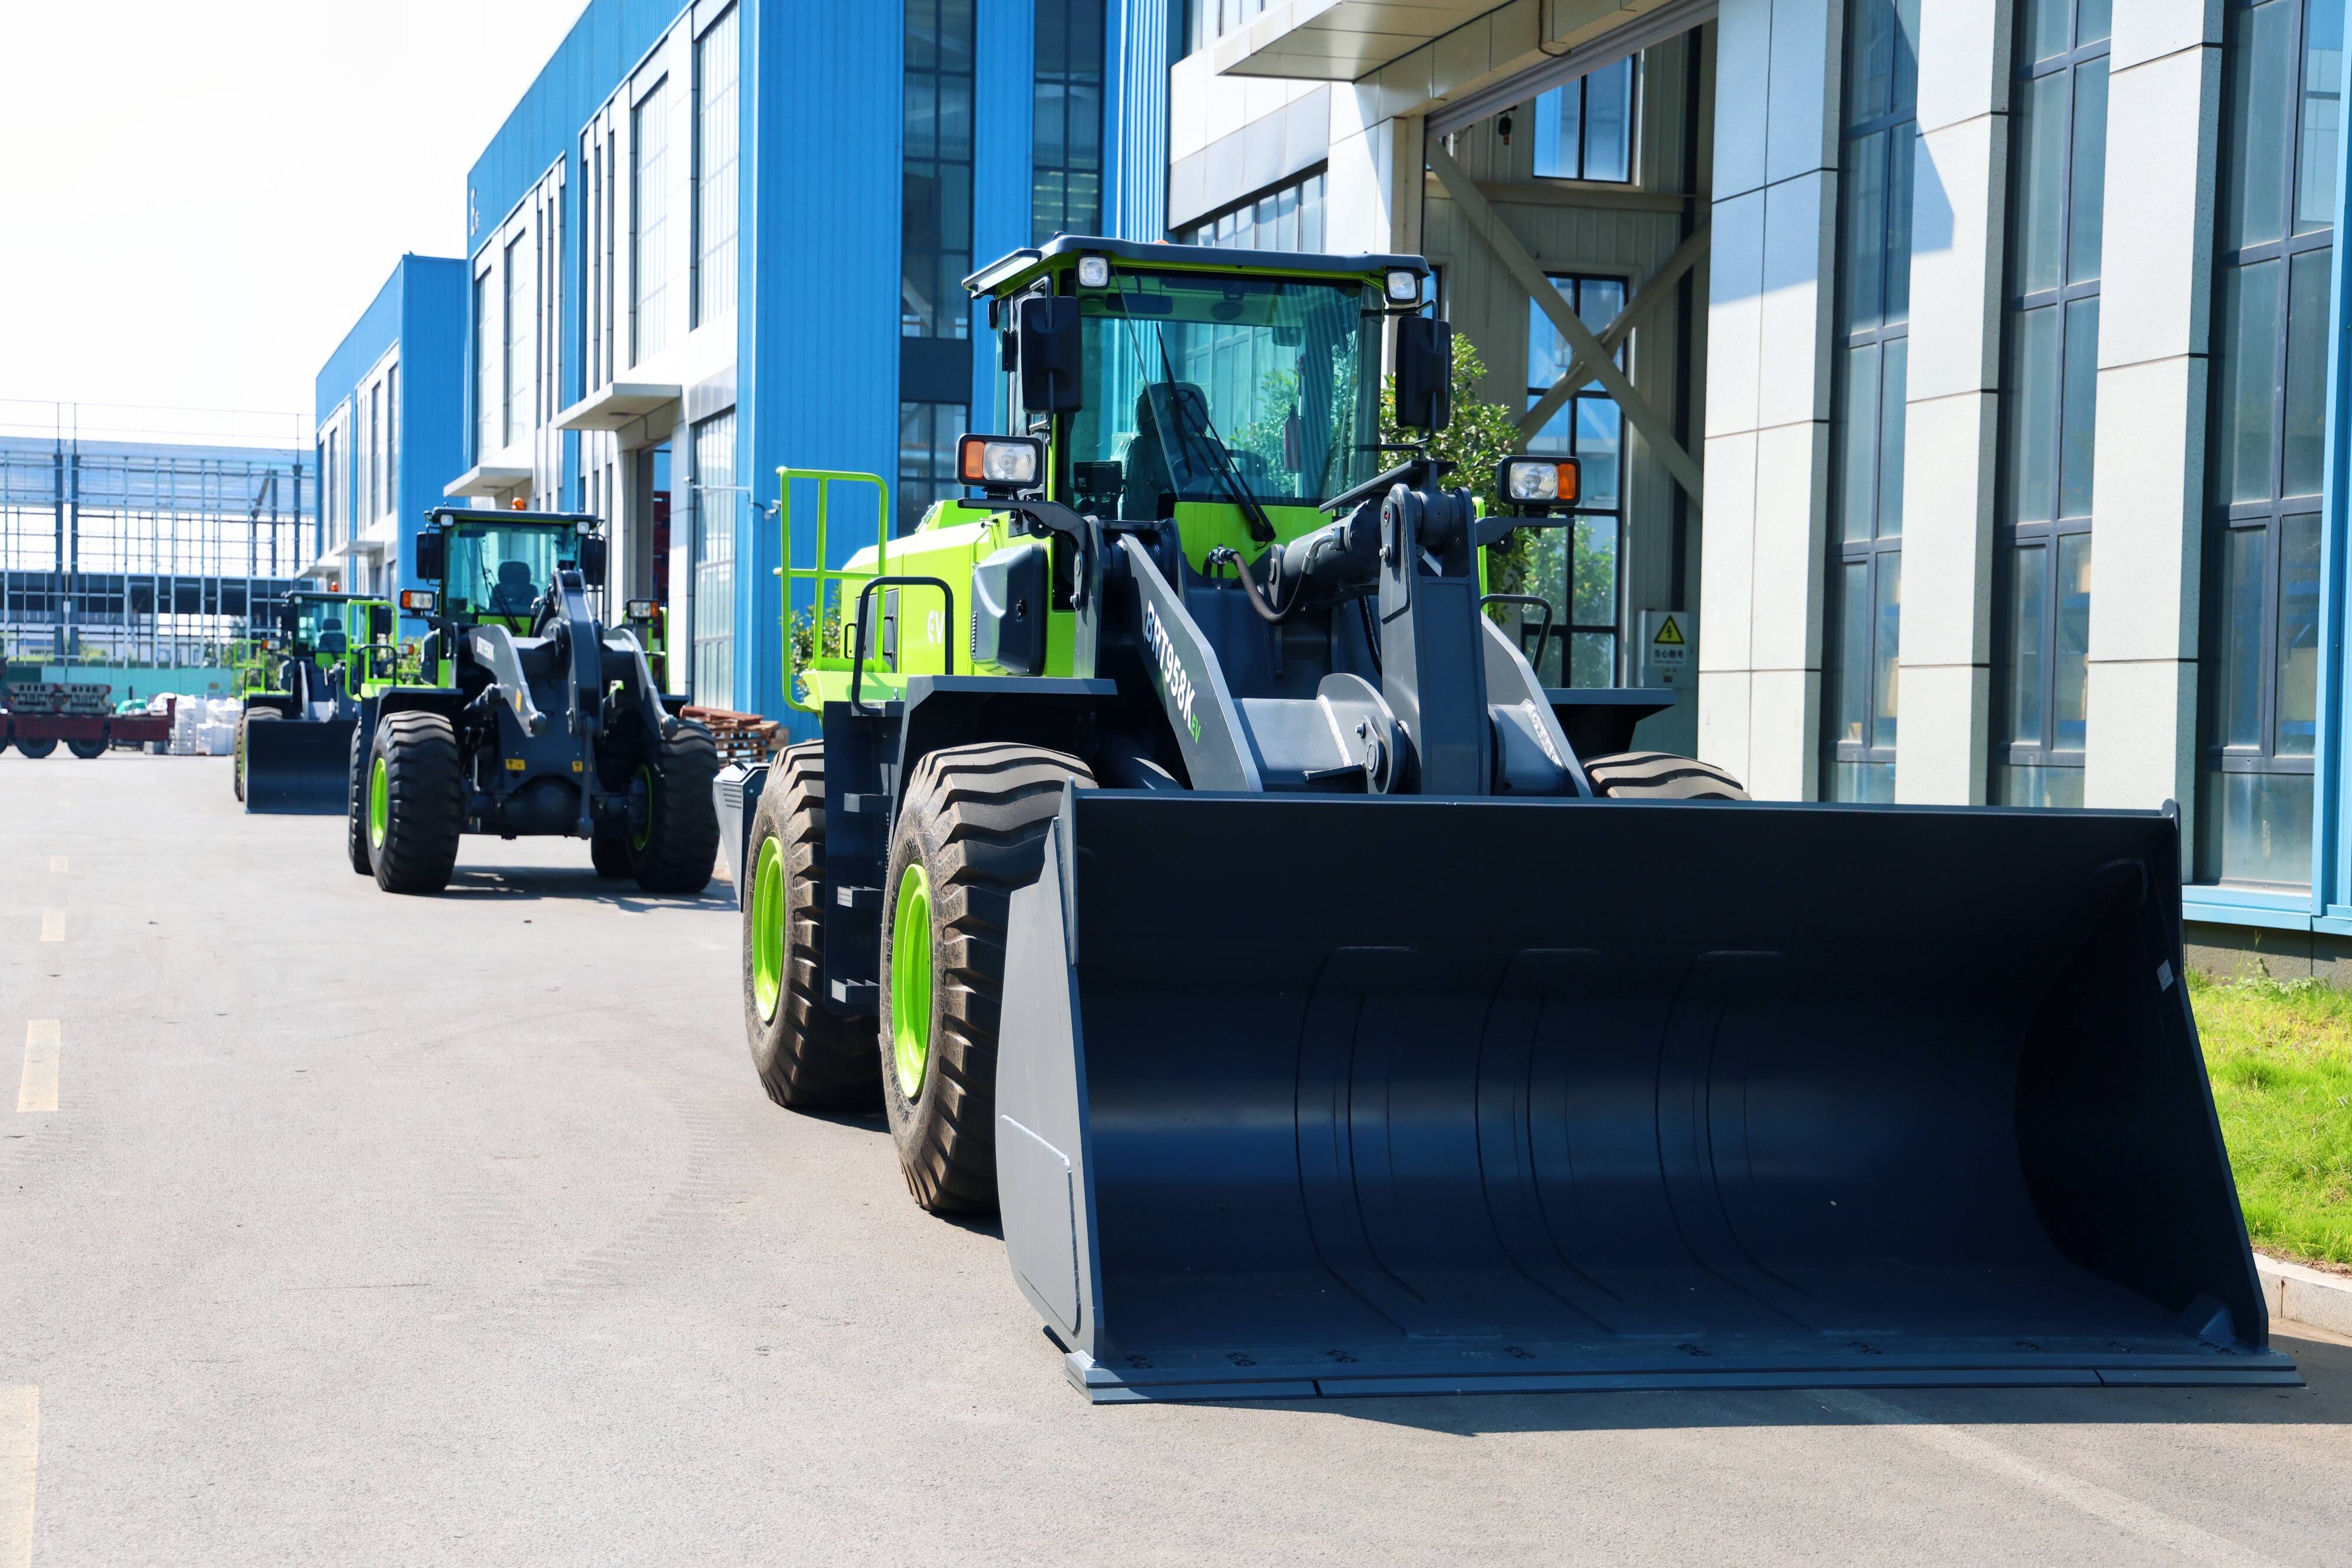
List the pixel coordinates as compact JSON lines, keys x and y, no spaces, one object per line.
{"x":583,"y":886}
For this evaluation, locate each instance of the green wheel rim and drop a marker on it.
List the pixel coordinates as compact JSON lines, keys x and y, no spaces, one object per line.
{"x":379,"y":803}
{"x":910,"y":981}
{"x":768,"y":930}
{"x":641,"y":833}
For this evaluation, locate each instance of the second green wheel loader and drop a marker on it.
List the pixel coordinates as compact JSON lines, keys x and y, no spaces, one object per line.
{"x":534,"y":719}
{"x":1193,"y":871}
{"x":292,"y":741}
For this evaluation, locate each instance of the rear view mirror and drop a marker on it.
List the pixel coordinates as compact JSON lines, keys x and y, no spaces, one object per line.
{"x":1424,"y":373}
{"x":592,"y":559}
{"x":1052,"y":379}
{"x":429,"y":556}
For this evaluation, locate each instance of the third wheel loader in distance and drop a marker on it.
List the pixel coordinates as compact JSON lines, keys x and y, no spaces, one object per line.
{"x":534,"y":717}
{"x":293,"y":736}
{"x":1192,"y":870}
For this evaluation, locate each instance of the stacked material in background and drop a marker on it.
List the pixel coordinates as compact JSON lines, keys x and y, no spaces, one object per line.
{"x":59,"y":697}
{"x":203,"y":726}
{"x":743,"y":738}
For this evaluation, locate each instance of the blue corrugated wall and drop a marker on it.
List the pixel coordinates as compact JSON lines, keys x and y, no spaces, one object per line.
{"x":432,"y":394}
{"x":1135,"y":122}
{"x":818,"y":364}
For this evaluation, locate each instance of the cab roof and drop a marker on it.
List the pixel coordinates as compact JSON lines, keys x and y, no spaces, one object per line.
{"x":479,"y":517}
{"x":1025,"y":266}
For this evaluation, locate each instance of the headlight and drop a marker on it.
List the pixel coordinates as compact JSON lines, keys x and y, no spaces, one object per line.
{"x":640,"y":609}
{"x":1405,"y":287}
{"x":1540,"y":481}
{"x":418,"y":602}
{"x":1094,"y":271}
{"x":1001,"y":462}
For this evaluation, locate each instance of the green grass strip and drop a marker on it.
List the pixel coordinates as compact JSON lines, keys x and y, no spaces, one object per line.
{"x":2280,"y":1053}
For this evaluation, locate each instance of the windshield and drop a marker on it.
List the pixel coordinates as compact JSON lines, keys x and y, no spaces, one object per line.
{"x":1198,"y":387}
{"x":315,"y":617}
{"x":503,"y":571}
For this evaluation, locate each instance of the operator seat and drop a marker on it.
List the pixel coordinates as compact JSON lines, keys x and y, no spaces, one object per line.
{"x":516,"y":593}
{"x":1172,"y":422}
{"x":334,"y":640}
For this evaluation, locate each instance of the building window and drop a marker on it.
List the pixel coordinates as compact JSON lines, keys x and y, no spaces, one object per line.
{"x":926,"y":456}
{"x":1576,"y":567}
{"x":375,"y":452}
{"x":490,"y":397}
{"x":1065,"y":155}
{"x":2050,"y":385}
{"x":718,"y":129}
{"x":649,"y":223}
{"x":520,"y":267}
{"x":391,"y":436}
{"x":1290,"y":218}
{"x":2260,"y":720}
{"x":935,"y":248}
{"x":1212,"y":19}
{"x":715,"y":508}
{"x":1872,"y":343}
{"x":1584,"y":129}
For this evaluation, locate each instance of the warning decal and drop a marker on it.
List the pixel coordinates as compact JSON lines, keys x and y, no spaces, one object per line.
{"x":1669,"y":634}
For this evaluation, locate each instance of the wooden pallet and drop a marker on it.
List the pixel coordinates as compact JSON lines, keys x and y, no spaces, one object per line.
{"x":743,"y":738}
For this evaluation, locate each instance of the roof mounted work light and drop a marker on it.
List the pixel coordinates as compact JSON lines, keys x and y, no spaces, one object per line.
{"x":1538,"y":484}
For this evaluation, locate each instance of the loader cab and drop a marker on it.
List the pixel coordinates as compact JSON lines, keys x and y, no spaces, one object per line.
{"x":1231,"y":392}
{"x":314,"y":625}
{"x":495,"y":566}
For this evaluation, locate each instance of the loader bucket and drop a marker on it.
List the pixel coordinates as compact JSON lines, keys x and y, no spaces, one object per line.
{"x":301,"y":766}
{"x":1303,"y":1095}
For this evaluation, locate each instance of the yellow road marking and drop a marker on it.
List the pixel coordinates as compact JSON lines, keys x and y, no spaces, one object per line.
{"x":53,"y":925}
{"x":38,"y":1090}
{"x":57,"y":862}
{"x":20,"y":1446}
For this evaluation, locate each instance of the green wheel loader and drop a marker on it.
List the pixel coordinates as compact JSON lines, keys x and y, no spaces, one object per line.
{"x":534,"y":718}
{"x":1195,"y":871}
{"x":295,"y":729}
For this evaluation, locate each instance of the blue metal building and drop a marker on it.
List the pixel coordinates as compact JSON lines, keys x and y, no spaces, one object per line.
{"x":390,"y":424}
{"x":719,"y":238}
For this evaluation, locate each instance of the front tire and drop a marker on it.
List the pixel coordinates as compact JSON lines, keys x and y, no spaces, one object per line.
{"x":37,"y":749}
{"x":677,"y":847}
{"x":1660,"y":776}
{"x":971,"y":831}
{"x":250,"y":716}
{"x":808,"y":1056}
{"x":415,"y":803}
{"x":356,"y":841}
{"x":608,"y":851}
{"x":88,"y":751}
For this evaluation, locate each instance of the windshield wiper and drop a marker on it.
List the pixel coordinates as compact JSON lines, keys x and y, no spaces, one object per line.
{"x":1261,"y":526}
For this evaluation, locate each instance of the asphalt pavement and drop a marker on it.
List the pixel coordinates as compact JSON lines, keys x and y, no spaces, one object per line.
{"x":456,"y":1230}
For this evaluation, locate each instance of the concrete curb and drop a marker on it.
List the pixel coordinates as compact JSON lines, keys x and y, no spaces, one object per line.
{"x":2305,"y":1295}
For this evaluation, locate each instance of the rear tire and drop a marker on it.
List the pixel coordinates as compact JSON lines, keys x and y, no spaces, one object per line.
{"x":1660,"y":776}
{"x":413,"y":760}
{"x":971,"y":831}
{"x":88,"y":751}
{"x":679,"y":846}
{"x":250,"y":716}
{"x":808,"y":1056}
{"x":37,"y":749}
{"x":356,"y":843}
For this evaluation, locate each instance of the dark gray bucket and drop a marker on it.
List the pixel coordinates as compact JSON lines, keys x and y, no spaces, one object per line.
{"x":300,"y":767}
{"x":1305,"y":1096}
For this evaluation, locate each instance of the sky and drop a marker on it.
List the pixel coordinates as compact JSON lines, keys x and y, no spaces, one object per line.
{"x":198,"y":200}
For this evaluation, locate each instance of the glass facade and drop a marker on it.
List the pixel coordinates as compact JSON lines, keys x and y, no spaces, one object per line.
{"x":716,"y":504}
{"x":717,"y":131}
{"x":1862,"y":641}
{"x":1206,"y":21}
{"x":1576,"y":567}
{"x":2049,"y":384}
{"x":522,"y":268}
{"x":649,"y":230}
{"x":1065,"y":154}
{"x":935,"y":241}
{"x":2260,"y":718}
{"x":1584,"y":129}
{"x":1290,"y":218}
{"x":489,"y":392}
